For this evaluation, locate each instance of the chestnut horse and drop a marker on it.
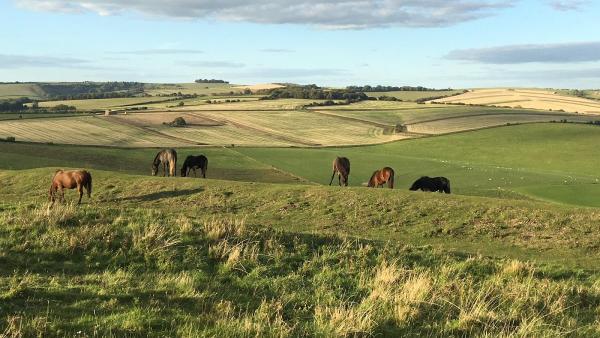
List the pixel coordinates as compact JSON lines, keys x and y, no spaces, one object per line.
{"x":341,"y":166}
{"x":166,"y":157}
{"x":70,"y":180}
{"x":380,"y":177}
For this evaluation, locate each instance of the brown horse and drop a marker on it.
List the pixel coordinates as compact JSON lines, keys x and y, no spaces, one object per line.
{"x":380,"y":177}
{"x":341,"y":166}
{"x":166,"y":157}
{"x":70,"y":180}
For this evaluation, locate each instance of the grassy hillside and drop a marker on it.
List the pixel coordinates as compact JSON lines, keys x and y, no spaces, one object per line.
{"x":187,"y":257}
{"x":539,"y":161}
{"x":493,"y":162}
{"x":16,"y":90}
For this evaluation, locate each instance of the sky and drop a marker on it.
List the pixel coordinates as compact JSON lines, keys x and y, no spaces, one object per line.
{"x":433,"y":43}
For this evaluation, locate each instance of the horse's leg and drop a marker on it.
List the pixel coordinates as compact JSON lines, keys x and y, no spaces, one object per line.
{"x":62,"y":193}
{"x":204,"y":172}
{"x":340,"y":179}
{"x":80,"y":191}
{"x":332,"y":176}
{"x":195,"y":174}
{"x":164,"y":169}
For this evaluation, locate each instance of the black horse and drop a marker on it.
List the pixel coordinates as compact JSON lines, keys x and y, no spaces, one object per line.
{"x":193,"y":163}
{"x":427,"y":183}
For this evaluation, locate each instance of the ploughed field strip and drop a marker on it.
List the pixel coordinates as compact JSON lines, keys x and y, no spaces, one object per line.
{"x":519,"y":98}
{"x":88,"y":130}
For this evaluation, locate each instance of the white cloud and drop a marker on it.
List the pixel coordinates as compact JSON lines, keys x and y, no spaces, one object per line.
{"x":332,"y":14}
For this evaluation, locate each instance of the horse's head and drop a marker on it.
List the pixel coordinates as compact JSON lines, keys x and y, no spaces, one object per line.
{"x":416,"y":186}
{"x":372,"y":180}
{"x":183,"y":171}
{"x":154,"y":169}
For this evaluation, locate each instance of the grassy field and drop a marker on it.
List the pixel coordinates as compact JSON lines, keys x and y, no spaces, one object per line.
{"x":188,"y":257}
{"x":189,"y":88}
{"x":498,"y":162}
{"x":526,"y":98}
{"x":538,"y":161}
{"x":16,"y":90}
{"x":100,"y":104}
{"x":414,"y":95}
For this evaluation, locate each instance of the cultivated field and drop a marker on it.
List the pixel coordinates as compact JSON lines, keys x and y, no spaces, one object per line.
{"x":16,"y":90}
{"x":525,"y":98}
{"x":189,"y":88}
{"x":83,"y":130}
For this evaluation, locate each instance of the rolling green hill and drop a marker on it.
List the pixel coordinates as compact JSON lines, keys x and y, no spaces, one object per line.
{"x":188,"y":257}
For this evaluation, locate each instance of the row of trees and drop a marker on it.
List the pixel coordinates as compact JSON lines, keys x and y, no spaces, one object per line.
{"x":14,"y":105}
{"x":315,"y":93}
{"x":380,"y":88}
{"x":210,"y":81}
{"x":92,"y":90}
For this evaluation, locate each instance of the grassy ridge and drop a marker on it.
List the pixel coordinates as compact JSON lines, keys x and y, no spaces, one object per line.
{"x":166,"y":257}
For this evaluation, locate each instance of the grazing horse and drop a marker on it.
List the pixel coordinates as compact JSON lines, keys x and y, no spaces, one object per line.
{"x":70,"y":180}
{"x":193,"y":163}
{"x":341,"y":166}
{"x":168,"y":157}
{"x":427,"y":183}
{"x":380,"y":177}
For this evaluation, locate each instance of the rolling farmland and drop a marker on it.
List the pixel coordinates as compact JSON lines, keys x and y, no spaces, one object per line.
{"x":526,"y":98}
{"x":407,"y":95}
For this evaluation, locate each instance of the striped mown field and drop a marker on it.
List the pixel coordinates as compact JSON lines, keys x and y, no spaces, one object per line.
{"x":526,"y":98}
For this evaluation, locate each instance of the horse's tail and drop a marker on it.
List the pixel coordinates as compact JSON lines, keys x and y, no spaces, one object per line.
{"x":447,"y":186}
{"x":88,"y":185}
{"x":391,"y":180}
{"x":173,"y":163}
{"x":204,"y":167}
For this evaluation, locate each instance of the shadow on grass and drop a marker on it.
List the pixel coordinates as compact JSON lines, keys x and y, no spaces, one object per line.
{"x":162,"y":195}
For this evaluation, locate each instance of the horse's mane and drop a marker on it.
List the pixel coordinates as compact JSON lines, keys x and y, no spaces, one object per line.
{"x":156,"y":160}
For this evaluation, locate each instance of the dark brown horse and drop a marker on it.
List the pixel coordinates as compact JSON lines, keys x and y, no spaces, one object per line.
{"x":381,"y":177}
{"x":70,"y":180}
{"x":426,"y":183}
{"x":193,"y":163}
{"x":341,"y":166}
{"x":166,"y":157}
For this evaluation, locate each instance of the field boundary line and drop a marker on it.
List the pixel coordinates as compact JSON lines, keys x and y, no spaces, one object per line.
{"x":304,"y":179}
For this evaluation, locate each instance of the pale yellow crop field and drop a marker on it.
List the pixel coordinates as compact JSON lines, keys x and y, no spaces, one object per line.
{"x":451,"y":125}
{"x":374,"y":105}
{"x":83,"y":130}
{"x":524,"y":98}
{"x":281,"y":104}
{"x":307,"y":128}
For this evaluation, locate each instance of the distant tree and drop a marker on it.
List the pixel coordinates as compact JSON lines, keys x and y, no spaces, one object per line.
{"x":210,"y":81}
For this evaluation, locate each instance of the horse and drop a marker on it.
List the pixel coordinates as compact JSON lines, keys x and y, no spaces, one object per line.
{"x":341,"y":166}
{"x":166,"y":157}
{"x":427,"y":183}
{"x":380,"y":177}
{"x":70,"y":180}
{"x":193,"y":163}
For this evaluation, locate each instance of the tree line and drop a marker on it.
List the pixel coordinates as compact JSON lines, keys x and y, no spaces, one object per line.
{"x":313,"y":92}
{"x":210,"y":81}
{"x":92,"y":90}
